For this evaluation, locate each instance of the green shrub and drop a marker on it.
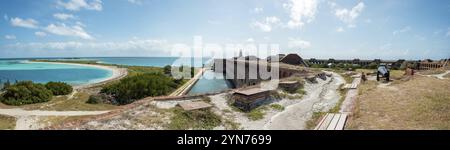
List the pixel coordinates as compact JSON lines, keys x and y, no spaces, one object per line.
{"x":277,"y":107}
{"x":257,"y":113}
{"x":195,"y":119}
{"x":140,"y":86}
{"x":94,"y":99}
{"x":59,"y":88}
{"x":26,"y":92}
{"x":168,"y":70}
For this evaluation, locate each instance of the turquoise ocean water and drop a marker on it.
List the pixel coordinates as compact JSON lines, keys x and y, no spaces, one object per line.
{"x":22,"y":69}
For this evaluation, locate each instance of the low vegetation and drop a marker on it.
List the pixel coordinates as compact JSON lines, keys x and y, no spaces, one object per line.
{"x":311,"y":123}
{"x":77,"y":102}
{"x":139,"y":86}
{"x":202,"y":119}
{"x":277,"y":107}
{"x":257,"y":113}
{"x":25,"y":92}
{"x":7,"y":122}
{"x":343,"y":93}
{"x":59,"y":88}
{"x":420,"y":103}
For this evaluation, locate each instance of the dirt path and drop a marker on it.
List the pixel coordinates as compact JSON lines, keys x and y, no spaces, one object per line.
{"x":320,"y":97}
{"x":349,"y":101}
{"x":439,"y":76}
{"x":29,"y":119}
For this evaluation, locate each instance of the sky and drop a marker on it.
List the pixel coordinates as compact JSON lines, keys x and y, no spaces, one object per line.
{"x":340,"y":29}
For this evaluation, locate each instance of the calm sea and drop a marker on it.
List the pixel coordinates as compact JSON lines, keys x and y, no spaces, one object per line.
{"x":22,"y":69}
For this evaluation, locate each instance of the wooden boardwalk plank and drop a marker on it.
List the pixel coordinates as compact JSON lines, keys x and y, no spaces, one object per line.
{"x":340,"y":125}
{"x":326,"y":122}
{"x":334,"y":122}
{"x":321,"y":122}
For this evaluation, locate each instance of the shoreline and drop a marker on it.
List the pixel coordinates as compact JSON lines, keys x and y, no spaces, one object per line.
{"x":117,"y":73}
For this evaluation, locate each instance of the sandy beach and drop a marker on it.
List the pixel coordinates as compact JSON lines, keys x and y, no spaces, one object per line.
{"x":117,"y":73}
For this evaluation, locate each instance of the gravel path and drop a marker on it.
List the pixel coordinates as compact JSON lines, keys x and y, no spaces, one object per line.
{"x":320,"y":97}
{"x":439,"y":76}
{"x":27,"y":120}
{"x":349,"y":101}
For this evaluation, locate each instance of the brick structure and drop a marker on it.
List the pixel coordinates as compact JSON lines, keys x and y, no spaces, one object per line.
{"x":247,"y":99}
{"x":290,"y":86}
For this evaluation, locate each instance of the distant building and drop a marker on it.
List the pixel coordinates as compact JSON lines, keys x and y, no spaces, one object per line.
{"x":248,"y":99}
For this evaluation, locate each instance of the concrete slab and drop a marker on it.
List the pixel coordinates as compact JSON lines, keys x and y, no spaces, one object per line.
{"x":194,"y":105}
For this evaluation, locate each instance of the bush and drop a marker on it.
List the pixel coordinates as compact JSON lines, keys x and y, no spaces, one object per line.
{"x":26,"y":92}
{"x":59,"y":88}
{"x":94,"y":99}
{"x":372,"y":65}
{"x":140,"y":86}
{"x":277,"y":107}
{"x":168,"y":70}
{"x":195,"y":119}
{"x":101,"y":98}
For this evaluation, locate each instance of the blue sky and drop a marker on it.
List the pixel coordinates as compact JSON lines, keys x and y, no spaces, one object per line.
{"x":365,"y":29}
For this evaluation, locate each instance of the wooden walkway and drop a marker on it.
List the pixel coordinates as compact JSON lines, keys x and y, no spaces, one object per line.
{"x":332,"y":122}
{"x":188,"y":85}
{"x":350,"y":86}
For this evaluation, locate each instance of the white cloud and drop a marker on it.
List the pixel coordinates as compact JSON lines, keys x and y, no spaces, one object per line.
{"x":76,"y":5}
{"x":10,"y":37}
{"x":349,"y":16}
{"x":257,"y":10}
{"x":332,"y":4}
{"x":250,"y":40}
{"x":403,"y":30}
{"x":62,"y":29}
{"x":26,"y":23}
{"x":137,"y":2}
{"x":80,"y":24}
{"x":134,"y":47}
{"x":63,"y":16}
{"x":340,"y":29}
{"x":301,"y":12}
{"x":267,"y":24}
{"x":296,"y":43}
{"x":40,"y":34}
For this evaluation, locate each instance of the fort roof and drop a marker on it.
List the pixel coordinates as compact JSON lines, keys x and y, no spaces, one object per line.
{"x":251,"y":91}
{"x":288,"y":82}
{"x":194,"y":105}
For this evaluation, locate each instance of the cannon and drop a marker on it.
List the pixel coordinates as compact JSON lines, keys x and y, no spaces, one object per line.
{"x":383,"y":72}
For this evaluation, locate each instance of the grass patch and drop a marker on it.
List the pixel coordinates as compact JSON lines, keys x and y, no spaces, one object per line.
{"x":447,"y":76}
{"x":135,"y":70}
{"x":421,"y":103}
{"x":397,"y":74}
{"x":312,"y":123}
{"x":7,"y":122}
{"x":203,"y":119}
{"x":432,"y":71}
{"x":367,"y":86}
{"x":257,"y":113}
{"x":229,"y":124}
{"x":277,"y":107}
{"x":337,"y":107}
{"x":76,"y":103}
